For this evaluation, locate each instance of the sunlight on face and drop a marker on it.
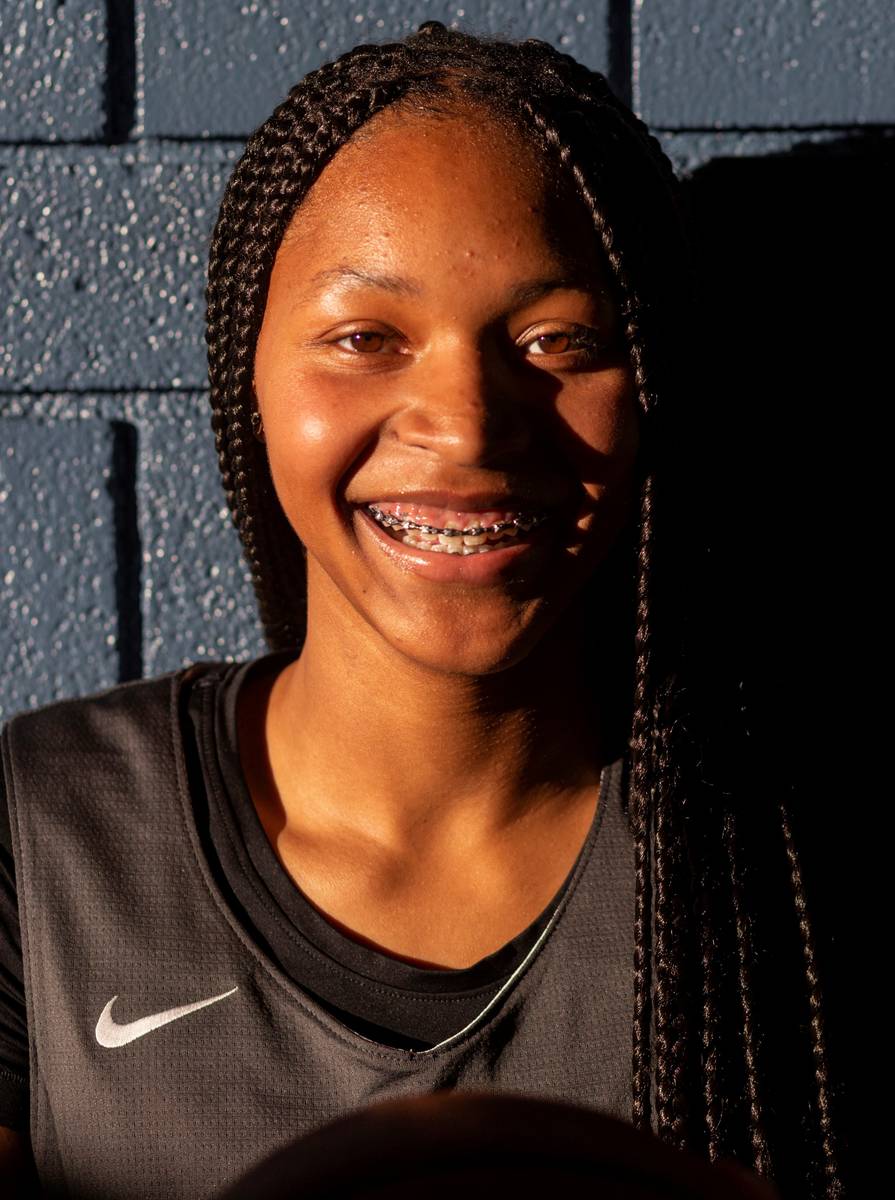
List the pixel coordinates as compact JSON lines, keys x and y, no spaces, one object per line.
{"x":440,"y":334}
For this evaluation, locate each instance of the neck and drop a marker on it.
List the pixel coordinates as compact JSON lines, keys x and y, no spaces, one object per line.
{"x":359,"y":734}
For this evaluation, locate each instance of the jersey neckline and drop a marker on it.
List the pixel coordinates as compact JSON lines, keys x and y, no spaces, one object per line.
{"x":550,"y":917}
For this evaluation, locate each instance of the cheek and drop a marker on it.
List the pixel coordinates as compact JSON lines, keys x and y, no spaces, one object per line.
{"x":313,"y":429}
{"x":310,"y":445}
{"x":601,"y":424}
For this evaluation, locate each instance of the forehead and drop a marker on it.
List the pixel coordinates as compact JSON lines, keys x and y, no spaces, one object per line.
{"x":462,"y":187}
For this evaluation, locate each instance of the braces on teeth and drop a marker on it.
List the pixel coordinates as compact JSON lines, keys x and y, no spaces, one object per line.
{"x":390,"y":521}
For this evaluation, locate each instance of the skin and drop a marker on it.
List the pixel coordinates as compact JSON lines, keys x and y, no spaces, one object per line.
{"x":436,"y":749}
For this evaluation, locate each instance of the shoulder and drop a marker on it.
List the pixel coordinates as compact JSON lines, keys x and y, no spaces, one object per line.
{"x":138,"y":691}
{"x":100,"y":710}
{"x":78,"y":768}
{"x":135,"y":695}
{"x":118,"y":723}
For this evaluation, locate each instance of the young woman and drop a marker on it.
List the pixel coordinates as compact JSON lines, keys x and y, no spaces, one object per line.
{"x":459,"y":829}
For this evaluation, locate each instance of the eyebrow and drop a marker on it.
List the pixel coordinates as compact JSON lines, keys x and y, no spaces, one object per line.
{"x":385,"y":283}
{"x":533,"y":289}
{"x":523,"y":293}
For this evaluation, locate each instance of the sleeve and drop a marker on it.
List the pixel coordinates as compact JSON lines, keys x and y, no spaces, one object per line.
{"x":14,"y":1105}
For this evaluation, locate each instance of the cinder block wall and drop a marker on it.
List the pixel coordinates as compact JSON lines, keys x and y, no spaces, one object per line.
{"x":119,"y":122}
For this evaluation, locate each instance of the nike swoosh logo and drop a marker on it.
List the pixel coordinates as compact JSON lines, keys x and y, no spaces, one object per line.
{"x":110,"y":1034}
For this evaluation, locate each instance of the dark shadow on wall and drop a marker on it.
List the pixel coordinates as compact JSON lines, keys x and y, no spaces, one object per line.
{"x":620,"y":49}
{"x":794,"y":251}
{"x":121,"y":70}
{"x":128,"y":553}
{"x":791,"y":252}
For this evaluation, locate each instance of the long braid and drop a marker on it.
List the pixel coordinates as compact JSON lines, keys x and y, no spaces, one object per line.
{"x":760,"y":1155}
{"x":641,"y":807}
{"x":711,"y":1029}
{"x":682,"y":887}
{"x":673,"y":954}
{"x":831,"y":1182}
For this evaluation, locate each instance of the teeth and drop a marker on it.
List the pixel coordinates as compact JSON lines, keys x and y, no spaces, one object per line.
{"x":445,"y":545}
{"x":453,"y":531}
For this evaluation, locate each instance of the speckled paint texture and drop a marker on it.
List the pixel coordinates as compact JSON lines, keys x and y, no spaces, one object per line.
{"x":104,"y":255}
{"x":219,"y":69}
{"x":119,"y":123}
{"x":782,"y":63}
{"x":197,"y":596}
{"x":58,"y":603}
{"x":53,"y":67}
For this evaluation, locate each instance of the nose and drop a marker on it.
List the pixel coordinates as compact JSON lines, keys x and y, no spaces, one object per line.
{"x":467,"y":408}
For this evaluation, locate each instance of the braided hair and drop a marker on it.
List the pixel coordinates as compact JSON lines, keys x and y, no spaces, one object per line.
{"x":710,"y":1036}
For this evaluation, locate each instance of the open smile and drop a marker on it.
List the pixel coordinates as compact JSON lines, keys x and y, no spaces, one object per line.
{"x":456,"y":537}
{"x":471,"y":554}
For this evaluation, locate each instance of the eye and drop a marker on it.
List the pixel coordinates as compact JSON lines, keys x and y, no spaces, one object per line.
{"x":581,"y":341}
{"x":551,"y":343}
{"x":363,"y":341}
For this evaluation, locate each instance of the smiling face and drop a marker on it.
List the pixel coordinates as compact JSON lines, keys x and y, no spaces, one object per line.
{"x":440,"y":343}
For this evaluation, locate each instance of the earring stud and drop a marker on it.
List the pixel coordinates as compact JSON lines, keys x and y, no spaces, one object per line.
{"x":257,"y":425}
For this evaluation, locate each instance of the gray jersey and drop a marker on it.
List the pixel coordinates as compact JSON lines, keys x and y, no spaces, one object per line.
{"x":168,"y":1052}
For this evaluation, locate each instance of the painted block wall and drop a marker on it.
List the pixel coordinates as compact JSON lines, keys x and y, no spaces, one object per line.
{"x":119,"y":122}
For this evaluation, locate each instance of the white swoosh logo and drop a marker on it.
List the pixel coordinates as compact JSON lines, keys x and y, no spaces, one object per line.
{"x":110,"y":1034}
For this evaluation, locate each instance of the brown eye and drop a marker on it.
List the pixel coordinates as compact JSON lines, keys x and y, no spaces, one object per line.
{"x":552,"y":343}
{"x":365,"y":341}
{"x":583,"y":344}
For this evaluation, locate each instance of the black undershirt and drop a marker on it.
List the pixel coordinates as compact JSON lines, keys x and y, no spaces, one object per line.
{"x":380,"y":997}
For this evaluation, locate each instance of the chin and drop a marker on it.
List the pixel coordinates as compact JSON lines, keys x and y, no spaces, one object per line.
{"x":470,"y":654}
